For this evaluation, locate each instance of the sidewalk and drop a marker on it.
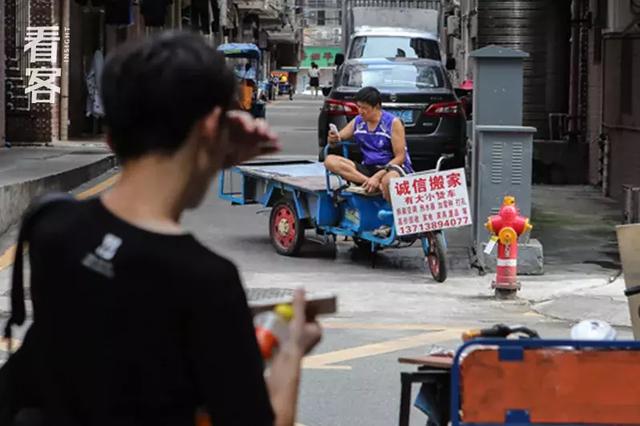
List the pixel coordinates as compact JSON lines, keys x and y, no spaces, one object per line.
{"x":576,"y":226}
{"x":581,"y":280}
{"x":26,"y":172}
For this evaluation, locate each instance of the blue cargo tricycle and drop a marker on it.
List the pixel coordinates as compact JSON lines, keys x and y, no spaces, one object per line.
{"x":303,"y":195}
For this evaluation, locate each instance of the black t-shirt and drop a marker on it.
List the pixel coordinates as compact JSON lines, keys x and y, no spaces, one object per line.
{"x":134,"y":328}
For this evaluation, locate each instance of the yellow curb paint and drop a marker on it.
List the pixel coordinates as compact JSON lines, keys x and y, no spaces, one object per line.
{"x":325,"y":361}
{"x":102,"y":186}
{"x":325,"y":367}
{"x":381,"y":326}
{"x":6,"y":258}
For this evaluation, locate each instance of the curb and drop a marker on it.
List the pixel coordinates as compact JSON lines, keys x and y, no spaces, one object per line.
{"x":601,"y":307}
{"x":15,"y":198}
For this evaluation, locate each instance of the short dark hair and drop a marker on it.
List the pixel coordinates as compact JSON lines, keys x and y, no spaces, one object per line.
{"x":370,"y":96}
{"x":155,"y":91}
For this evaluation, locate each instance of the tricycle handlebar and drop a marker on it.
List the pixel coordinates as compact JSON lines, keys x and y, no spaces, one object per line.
{"x":443,"y":157}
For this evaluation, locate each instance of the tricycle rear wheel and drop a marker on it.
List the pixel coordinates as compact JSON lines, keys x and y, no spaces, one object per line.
{"x":436,"y":257}
{"x":285,"y":229}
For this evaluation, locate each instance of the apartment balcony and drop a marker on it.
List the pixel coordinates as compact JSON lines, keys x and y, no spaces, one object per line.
{"x":284,"y":36}
{"x":269,"y":9}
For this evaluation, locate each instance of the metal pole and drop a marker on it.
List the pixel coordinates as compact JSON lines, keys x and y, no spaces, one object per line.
{"x":605,"y":162}
{"x":635,"y":218}
{"x":574,"y":80}
{"x":178,"y":14}
{"x":603,"y":135}
{"x":3,"y":111}
{"x":64,"y":86}
{"x":628,"y":203}
{"x":346,"y":25}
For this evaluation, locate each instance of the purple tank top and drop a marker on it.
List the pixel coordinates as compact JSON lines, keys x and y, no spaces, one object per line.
{"x":376,"y":145}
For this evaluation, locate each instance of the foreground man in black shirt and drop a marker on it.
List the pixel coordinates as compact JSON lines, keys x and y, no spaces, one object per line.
{"x":135,"y":322}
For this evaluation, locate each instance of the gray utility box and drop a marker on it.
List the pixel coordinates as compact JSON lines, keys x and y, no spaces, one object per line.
{"x":503,"y":167}
{"x":502,"y":156}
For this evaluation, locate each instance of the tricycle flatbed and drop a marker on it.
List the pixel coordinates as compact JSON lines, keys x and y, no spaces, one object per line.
{"x":303,"y":195}
{"x":303,"y":175}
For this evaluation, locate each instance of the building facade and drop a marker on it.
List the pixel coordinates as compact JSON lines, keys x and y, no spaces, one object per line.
{"x":579,"y":89}
{"x":57,"y":98}
{"x":322,"y":39}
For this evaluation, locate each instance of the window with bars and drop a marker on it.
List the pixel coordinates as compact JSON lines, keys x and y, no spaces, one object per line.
{"x":325,"y":17}
{"x":23,"y":10}
{"x":323,"y":4}
{"x":18,"y":19}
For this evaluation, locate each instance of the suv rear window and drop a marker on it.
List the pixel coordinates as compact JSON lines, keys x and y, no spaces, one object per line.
{"x":393,"y":76}
{"x":394,"y":47}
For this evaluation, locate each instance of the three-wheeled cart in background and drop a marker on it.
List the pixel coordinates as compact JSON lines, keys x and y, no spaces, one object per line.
{"x":304,"y":195}
{"x":284,"y":80}
{"x":238,"y":55}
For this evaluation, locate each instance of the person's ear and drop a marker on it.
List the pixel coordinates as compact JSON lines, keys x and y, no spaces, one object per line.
{"x":211,"y":124}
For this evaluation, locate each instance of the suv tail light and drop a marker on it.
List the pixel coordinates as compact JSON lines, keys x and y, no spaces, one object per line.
{"x":334,"y":107}
{"x":445,"y":109}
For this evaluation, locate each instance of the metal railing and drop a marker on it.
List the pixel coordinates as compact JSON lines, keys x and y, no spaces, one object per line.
{"x":418,"y":4}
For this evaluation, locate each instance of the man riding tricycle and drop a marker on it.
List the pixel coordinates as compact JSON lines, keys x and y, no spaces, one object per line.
{"x":380,"y":138}
{"x":244,"y":58}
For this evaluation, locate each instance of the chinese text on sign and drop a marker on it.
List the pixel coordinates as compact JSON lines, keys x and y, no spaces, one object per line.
{"x":428,"y":202}
{"x":42,"y":45}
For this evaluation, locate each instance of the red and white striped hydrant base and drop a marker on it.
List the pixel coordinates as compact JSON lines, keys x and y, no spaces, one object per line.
{"x":507,"y":267}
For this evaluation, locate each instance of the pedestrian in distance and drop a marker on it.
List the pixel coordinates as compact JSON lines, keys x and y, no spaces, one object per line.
{"x":314,"y":78}
{"x":135,"y":321}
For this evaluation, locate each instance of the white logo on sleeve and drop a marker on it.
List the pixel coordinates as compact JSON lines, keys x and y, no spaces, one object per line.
{"x":109,"y":247}
{"x":100,"y":261}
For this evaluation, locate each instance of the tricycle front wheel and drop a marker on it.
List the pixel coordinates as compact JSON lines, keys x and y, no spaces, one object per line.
{"x":436,"y":256}
{"x":285,"y":229}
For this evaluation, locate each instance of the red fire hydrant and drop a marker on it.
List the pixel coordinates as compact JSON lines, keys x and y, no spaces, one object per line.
{"x":507,"y":225}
